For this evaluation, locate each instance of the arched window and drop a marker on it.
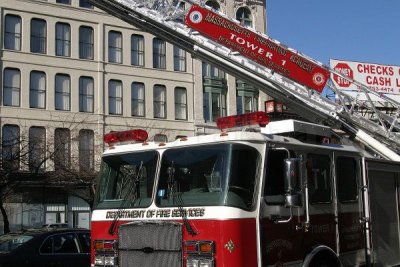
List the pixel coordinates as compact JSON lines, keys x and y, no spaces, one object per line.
{"x":62,"y":92}
{"x":138,"y":100}
{"x":12,"y":32}
{"x":37,"y":148}
{"x":63,"y":39}
{"x":213,"y":4}
{"x":86,"y":42}
{"x":180,"y":103}
{"x":159,"y":53}
{"x":137,"y":50}
{"x":86,"y":94}
{"x":86,"y":150}
{"x":115,"y":47}
{"x":10,"y":147}
{"x":115,"y":97}
{"x":37,"y":90}
{"x":38,"y":36}
{"x":160,"y":101}
{"x":11,"y":87}
{"x":243,"y":15}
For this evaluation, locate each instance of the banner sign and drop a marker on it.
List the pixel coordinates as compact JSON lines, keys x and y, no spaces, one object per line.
{"x":379,"y":78}
{"x":258,"y":48}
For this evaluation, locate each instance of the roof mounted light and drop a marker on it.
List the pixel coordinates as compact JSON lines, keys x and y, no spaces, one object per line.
{"x":259,"y":117}
{"x":137,"y":135}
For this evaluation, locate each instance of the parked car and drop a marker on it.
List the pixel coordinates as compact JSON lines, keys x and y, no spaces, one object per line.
{"x":45,"y":248}
{"x":55,"y":225}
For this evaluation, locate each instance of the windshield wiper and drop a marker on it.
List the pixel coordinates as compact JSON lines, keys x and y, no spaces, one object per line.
{"x":135,"y":187}
{"x":177,"y":198}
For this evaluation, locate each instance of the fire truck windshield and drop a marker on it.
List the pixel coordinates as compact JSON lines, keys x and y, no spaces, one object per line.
{"x":204,"y":175}
{"x":126,"y":180}
{"x":209,"y":175}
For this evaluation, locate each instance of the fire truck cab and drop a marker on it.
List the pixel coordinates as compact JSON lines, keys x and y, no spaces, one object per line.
{"x":285,"y":194}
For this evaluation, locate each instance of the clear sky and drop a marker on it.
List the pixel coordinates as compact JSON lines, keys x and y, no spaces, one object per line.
{"x":354,"y":30}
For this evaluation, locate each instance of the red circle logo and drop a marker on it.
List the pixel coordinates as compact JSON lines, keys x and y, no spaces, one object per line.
{"x":196,"y":17}
{"x":318,"y":78}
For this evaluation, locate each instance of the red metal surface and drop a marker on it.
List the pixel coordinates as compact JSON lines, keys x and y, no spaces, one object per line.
{"x":256,"y":47}
{"x":351,"y":235}
{"x":282,"y":243}
{"x":242,"y":233}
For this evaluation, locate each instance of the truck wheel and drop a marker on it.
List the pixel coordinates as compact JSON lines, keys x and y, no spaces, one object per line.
{"x":324,"y":259}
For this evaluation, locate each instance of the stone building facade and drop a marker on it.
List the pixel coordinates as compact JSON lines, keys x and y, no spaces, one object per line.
{"x":70,"y":73}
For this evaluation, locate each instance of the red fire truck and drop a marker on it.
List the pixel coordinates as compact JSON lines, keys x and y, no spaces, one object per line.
{"x":282,"y":195}
{"x":289,"y":193}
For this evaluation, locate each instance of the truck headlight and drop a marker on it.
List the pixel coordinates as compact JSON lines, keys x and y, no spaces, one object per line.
{"x":199,"y":262}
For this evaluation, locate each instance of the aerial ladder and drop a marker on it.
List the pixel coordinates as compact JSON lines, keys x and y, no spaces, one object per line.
{"x":177,"y":24}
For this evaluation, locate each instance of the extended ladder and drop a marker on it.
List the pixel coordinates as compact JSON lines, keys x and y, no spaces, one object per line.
{"x":165,"y":19}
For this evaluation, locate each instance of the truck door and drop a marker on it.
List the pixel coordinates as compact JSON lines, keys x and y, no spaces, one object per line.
{"x":281,"y":234}
{"x":322,"y":226}
{"x":350,"y":226}
{"x":384,"y":188}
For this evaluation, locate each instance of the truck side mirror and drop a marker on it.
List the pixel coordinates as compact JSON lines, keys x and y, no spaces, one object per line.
{"x":292,"y":183}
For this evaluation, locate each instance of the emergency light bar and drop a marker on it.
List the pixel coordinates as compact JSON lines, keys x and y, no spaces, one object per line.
{"x":137,"y":135}
{"x":259,"y":117}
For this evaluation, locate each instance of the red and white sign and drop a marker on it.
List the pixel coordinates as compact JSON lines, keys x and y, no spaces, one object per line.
{"x":259,"y":48}
{"x":380,"y":78}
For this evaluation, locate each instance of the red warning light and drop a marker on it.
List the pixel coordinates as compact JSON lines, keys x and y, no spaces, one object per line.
{"x":137,"y":135}
{"x":259,"y":117}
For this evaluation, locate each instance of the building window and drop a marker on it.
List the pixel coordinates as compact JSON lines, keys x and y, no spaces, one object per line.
{"x":137,"y":50}
{"x":246,"y":98}
{"x":10,"y":147}
{"x":37,"y":92}
{"x":86,"y":42}
{"x":62,"y":148}
{"x":86,"y":150}
{"x":38,"y":36}
{"x":246,"y":104}
{"x":37,"y":149}
{"x":180,"y":103}
{"x":212,"y":71}
{"x":138,"y":102}
{"x":214,"y":105}
{"x":160,"y":107}
{"x":243,"y":15}
{"x":63,"y":92}
{"x":179,"y":59}
{"x":66,"y":2}
{"x":213,"y":4}
{"x":63,"y":39}
{"x":12,"y":32}
{"x":115,"y":47}
{"x":11,"y":87}
{"x":115,"y":97}
{"x":85,"y":4}
{"x":159,"y":53}
{"x":214,"y":93}
{"x":86,"y":94}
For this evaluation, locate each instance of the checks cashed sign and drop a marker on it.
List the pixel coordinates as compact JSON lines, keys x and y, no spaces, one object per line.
{"x":377,"y":77}
{"x":258,"y":48}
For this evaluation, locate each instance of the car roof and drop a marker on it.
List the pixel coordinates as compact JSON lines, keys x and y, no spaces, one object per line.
{"x":45,"y":231}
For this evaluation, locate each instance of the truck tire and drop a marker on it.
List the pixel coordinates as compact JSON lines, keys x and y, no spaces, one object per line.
{"x":324,"y":259}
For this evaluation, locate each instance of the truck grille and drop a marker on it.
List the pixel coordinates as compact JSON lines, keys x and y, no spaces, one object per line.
{"x":150,"y":244}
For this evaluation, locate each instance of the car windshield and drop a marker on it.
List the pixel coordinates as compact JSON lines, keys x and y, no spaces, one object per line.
{"x":9,"y":242}
{"x":208,"y":175}
{"x":126,"y":180}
